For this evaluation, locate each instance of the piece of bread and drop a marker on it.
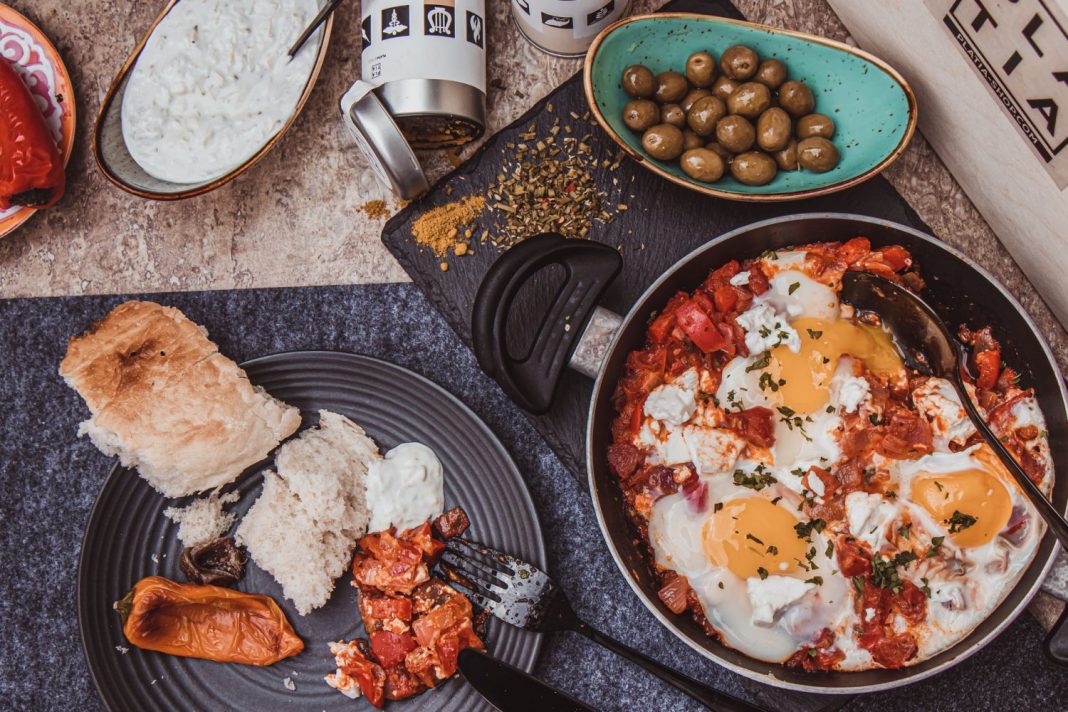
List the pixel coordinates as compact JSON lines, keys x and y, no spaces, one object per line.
{"x":203,"y":519}
{"x":304,"y":526}
{"x":167,"y":402}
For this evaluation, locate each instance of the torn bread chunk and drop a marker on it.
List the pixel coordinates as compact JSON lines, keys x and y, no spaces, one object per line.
{"x":164,"y":400}
{"x":203,"y":519}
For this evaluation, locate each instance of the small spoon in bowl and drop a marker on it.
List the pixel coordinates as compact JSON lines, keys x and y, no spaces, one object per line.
{"x":929,"y":348}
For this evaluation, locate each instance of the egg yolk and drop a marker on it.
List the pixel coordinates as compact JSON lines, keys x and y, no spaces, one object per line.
{"x":803,"y":377}
{"x":751,"y":533}
{"x":972,"y":493}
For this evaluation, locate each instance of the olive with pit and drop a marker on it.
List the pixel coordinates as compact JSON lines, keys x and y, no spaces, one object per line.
{"x":724,"y":87}
{"x":773,"y":129}
{"x":786,"y":159}
{"x":796,"y":98}
{"x":640,"y":114}
{"x":705,"y":114}
{"x":673,"y":114}
{"x":639,"y":82}
{"x":819,"y":125}
{"x":691,"y":140}
{"x":663,"y":142}
{"x":691,"y":98}
{"x":735,"y":133}
{"x":753,"y":168}
{"x":749,"y":100}
{"x":701,"y":69}
{"x":771,"y":73}
{"x":671,"y":87}
{"x":703,"y":165}
{"x":739,"y":62}
{"x":817,"y":154}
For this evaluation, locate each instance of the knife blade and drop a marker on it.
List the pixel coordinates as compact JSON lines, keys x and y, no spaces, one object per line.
{"x":509,"y":689}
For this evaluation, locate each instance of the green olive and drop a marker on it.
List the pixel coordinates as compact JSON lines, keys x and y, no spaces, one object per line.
{"x":786,"y":159}
{"x":749,"y":100}
{"x":703,"y":165}
{"x":735,"y":133}
{"x":753,"y":168}
{"x":817,"y":154}
{"x":724,"y":87}
{"x":640,"y":114}
{"x":773,"y":129}
{"x":739,"y":62}
{"x":771,"y":73}
{"x":671,"y":87}
{"x":639,"y":82}
{"x":663,"y":142}
{"x":692,"y":97}
{"x":701,"y":69}
{"x":796,"y":98}
{"x":705,"y":114}
{"x":673,"y":114}
{"x":819,"y":125}
{"x":691,"y":140}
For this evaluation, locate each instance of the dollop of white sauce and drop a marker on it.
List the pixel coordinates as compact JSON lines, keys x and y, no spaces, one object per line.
{"x":405,"y":488}
{"x":214,"y":84}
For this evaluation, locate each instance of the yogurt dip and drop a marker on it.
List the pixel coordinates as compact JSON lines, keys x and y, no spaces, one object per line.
{"x":405,"y":488}
{"x":214,"y":84}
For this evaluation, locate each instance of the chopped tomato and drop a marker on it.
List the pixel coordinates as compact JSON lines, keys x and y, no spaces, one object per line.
{"x":368,"y":675}
{"x":854,"y":250}
{"x":896,"y":257}
{"x":820,"y":656}
{"x":441,"y":618}
{"x":675,"y":593}
{"x":726,"y":298}
{"x":695,"y":322}
{"x":911,"y":602}
{"x":754,"y":424}
{"x":907,"y":436}
{"x":853,"y":558}
{"x":988,"y":364}
{"x":893,"y":652}
{"x":722,"y":275}
{"x":385,"y":608}
{"x":661,"y":327}
{"x":758,"y":281}
{"x":390,"y":648}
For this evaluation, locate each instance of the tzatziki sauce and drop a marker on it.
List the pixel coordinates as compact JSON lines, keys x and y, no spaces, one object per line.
{"x":405,"y":488}
{"x":214,"y":84}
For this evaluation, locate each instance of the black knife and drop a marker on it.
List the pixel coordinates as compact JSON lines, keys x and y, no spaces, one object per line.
{"x":510,"y":689}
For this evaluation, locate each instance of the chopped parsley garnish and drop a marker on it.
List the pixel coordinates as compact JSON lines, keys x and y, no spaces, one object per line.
{"x":830,"y":549}
{"x":753,"y":538}
{"x":793,"y":287}
{"x":792,"y":420}
{"x":830,"y":409}
{"x":804,"y":529}
{"x":926,"y":587}
{"x":721,"y":585}
{"x":960,"y":521}
{"x":936,"y":544}
{"x":773,"y":550}
{"x":874,"y":418}
{"x":757,"y":480}
{"x":814,"y":334}
{"x":717,"y":506}
{"x":905,"y":530}
{"x":939,"y":486}
{"x":766,"y":382}
{"x":858,"y":584}
{"x":788,"y":412}
{"x":762,"y":571}
{"x":776,"y":500}
{"x":818,"y":580}
{"x":884,"y":571}
{"x":762,"y":362}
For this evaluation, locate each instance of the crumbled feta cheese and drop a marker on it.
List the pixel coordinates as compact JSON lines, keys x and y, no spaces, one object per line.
{"x":852,"y":391}
{"x":869,"y":613}
{"x":815,"y":484}
{"x":769,"y":597}
{"x":868,"y":515}
{"x":766,"y":329}
{"x":938,"y":402}
{"x":740,"y":279}
{"x":675,"y":402}
{"x":713,"y":450}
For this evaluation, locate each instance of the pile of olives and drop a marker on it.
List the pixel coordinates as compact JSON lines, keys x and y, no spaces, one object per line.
{"x":742,"y":113}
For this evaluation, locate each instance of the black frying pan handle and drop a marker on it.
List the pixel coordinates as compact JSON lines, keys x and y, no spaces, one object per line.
{"x":1057,"y":640}
{"x":531,"y":379}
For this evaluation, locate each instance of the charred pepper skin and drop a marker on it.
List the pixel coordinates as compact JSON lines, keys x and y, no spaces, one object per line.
{"x":31,"y":165}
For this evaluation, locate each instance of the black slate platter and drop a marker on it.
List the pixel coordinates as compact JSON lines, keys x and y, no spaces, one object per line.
{"x":663,"y":222}
{"x":128,"y":537}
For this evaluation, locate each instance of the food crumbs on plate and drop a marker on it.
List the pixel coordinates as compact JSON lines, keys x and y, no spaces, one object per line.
{"x":439,"y":228}
{"x":460,"y":249}
{"x":289,"y":685}
{"x":444,"y":266}
{"x":375,"y":209}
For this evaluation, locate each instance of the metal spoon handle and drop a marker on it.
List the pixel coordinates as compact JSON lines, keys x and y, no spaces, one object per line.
{"x":319,"y":19}
{"x":1045,"y":508}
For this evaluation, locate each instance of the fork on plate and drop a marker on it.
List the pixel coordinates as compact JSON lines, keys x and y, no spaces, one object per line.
{"x":522,"y":595}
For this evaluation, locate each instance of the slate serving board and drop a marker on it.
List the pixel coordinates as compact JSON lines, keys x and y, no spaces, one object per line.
{"x":663,"y":222}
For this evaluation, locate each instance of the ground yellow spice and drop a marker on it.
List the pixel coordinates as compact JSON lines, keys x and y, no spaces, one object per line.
{"x":442,"y":228}
{"x":376,"y":209}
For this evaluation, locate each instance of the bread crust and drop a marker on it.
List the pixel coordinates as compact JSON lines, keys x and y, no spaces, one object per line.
{"x":166,"y":401}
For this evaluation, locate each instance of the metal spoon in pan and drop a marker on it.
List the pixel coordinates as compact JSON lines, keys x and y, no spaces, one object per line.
{"x":928,"y":347}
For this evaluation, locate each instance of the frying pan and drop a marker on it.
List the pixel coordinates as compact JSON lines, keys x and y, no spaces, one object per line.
{"x":577,"y":332}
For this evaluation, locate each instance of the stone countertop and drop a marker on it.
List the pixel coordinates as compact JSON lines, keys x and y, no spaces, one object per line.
{"x":50,"y":479}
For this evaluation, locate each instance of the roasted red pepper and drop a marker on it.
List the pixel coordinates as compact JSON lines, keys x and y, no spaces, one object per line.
{"x":701,"y":330}
{"x":31,"y":165}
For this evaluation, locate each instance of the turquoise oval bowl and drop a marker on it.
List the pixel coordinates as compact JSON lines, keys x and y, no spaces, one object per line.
{"x":872,"y":105}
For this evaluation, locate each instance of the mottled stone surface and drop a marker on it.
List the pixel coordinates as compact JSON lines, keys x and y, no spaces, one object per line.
{"x":50,"y":479}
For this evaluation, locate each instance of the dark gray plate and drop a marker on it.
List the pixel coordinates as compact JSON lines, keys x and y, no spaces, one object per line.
{"x":128,"y":537}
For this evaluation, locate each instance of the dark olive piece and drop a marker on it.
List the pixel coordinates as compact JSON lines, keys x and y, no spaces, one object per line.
{"x":796,"y":98}
{"x":739,"y":62}
{"x":819,"y":125}
{"x":692,"y":97}
{"x":218,"y":563}
{"x":720,"y":151}
{"x":817,"y":154}
{"x":640,"y":114}
{"x":724,"y":87}
{"x":786,"y":159}
{"x":771,"y":73}
{"x":673,"y":114}
{"x":663,"y":142}
{"x":639,"y":82}
{"x":691,"y":140}
{"x":671,"y":87}
{"x":701,"y":69}
{"x":703,"y":165}
{"x":735,"y":133}
{"x":753,"y":168}
{"x":705,"y":114}
{"x":773,"y":129}
{"x":749,"y":100}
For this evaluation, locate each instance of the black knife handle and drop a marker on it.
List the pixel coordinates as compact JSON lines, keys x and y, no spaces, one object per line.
{"x":531,"y":379}
{"x":707,"y":696}
{"x":1057,"y":640}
